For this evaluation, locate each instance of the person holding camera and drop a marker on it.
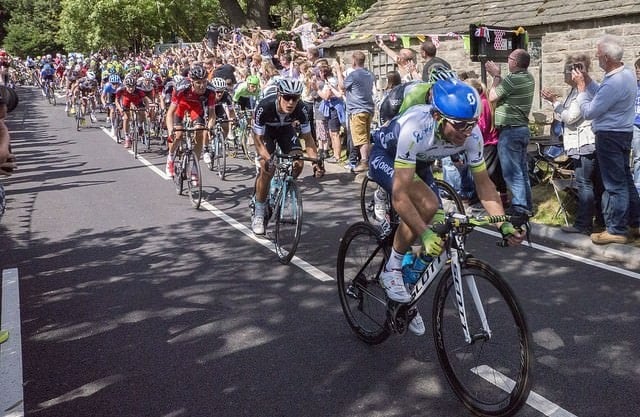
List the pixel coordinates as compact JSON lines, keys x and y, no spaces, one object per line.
{"x":579,"y":144}
{"x":610,"y":105}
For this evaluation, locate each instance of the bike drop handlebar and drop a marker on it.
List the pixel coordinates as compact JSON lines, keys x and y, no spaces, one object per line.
{"x":520,"y":221}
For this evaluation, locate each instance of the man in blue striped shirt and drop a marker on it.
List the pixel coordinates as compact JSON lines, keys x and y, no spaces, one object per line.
{"x":611,"y":107}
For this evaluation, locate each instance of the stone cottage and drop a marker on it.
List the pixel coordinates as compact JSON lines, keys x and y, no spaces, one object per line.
{"x":555,"y":29}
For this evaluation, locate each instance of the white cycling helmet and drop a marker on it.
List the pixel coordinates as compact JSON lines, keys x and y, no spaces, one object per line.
{"x":91,"y":76}
{"x":147,"y":74}
{"x":219,"y":84}
{"x":290,"y":86}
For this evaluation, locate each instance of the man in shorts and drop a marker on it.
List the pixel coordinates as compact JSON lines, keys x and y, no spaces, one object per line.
{"x":358,"y":87}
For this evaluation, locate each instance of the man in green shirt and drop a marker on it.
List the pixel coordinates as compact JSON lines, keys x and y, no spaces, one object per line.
{"x":512,"y":96}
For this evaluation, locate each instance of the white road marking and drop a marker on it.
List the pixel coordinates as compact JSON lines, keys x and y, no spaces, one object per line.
{"x":12,"y":394}
{"x":300,"y":263}
{"x":142,"y":159}
{"x":568,"y":255}
{"x":316,"y":273}
{"x":534,"y":400}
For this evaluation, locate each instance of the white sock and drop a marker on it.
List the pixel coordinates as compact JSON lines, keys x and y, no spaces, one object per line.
{"x":395,"y":260}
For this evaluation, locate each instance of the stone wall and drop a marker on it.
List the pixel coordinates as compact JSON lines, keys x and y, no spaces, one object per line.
{"x":549,"y":47}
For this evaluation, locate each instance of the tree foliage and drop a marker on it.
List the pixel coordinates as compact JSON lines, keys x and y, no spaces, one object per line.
{"x":34,"y":27}
{"x":31,"y":26}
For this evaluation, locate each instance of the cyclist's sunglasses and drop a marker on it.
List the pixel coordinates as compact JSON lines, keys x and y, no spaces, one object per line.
{"x":290,"y":97}
{"x":462,"y":125}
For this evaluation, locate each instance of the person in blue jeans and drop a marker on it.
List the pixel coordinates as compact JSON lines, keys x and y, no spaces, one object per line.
{"x":635,"y":145}
{"x":579,"y":144}
{"x":610,"y":106}
{"x":513,"y":97}
{"x":456,"y":172}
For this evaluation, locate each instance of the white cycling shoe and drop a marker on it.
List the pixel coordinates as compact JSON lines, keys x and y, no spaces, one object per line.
{"x":257,"y":225}
{"x":416,"y":326}
{"x":393,"y":285}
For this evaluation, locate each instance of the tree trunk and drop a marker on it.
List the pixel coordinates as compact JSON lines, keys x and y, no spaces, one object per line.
{"x":257,"y":13}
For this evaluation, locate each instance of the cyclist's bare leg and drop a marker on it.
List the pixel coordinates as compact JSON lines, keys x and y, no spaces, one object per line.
{"x":199,"y":141}
{"x":423,"y":203}
{"x":126,"y":116}
{"x":175,"y":143}
{"x":262,"y":181}
{"x":297,"y":165}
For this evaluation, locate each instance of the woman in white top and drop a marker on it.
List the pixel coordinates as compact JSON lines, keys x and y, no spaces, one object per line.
{"x":579,"y":143}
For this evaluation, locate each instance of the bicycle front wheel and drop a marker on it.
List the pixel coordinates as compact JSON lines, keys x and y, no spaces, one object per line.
{"x":221,"y":156}
{"x":78,"y":117}
{"x":361,"y":257}
{"x":288,"y":222}
{"x":194,"y":181}
{"x":135,"y":137}
{"x":451,"y":202}
{"x":491,"y":373}
{"x":179,"y":174}
{"x":246,"y":140}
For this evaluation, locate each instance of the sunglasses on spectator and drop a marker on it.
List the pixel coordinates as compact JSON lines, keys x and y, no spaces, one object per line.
{"x":462,"y":125}
{"x":290,"y":97}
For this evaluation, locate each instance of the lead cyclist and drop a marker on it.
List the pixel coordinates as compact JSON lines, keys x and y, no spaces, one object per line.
{"x":400,"y":163}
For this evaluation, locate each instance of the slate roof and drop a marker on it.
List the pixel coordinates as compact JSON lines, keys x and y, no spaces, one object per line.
{"x":442,"y":16}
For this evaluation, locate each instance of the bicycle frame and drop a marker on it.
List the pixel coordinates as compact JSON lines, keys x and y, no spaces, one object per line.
{"x":284,"y":171}
{"x":456,"y":227}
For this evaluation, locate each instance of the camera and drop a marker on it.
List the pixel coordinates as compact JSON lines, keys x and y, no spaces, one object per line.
{"x":577,"y":66}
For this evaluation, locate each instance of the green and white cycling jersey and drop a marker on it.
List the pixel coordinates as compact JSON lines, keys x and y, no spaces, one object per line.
{"x":412,"y":138}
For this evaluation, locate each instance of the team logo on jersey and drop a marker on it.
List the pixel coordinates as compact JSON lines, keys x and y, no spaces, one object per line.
{"x":379,"y":164}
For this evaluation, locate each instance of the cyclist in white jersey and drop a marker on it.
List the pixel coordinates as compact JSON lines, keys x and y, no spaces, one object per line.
{"x":400,"y":162}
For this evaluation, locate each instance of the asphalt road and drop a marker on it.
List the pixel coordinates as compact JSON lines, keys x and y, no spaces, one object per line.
{"x":132,"y":303}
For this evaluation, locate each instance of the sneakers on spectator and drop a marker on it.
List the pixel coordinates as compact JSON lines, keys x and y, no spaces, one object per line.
{"x":257,"y":224}
{"x":363,"y":166}
{"x":207,"y":157}
{"x":604,"y":238}
{"x":416,"y":326}
{"x":332,"y":160}
{"x":170,"y":168}
{"x":349,"y":166}
{"x":393,"y":284}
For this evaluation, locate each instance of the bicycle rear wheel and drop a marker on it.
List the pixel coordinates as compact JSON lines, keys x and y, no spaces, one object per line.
{"x":361,"y":257}
{"x":491,"y":375}
{"x":78,"y":117}
{"x":451,"y":202}
{"x":367,"y":203}
{"x":194,"y":180}
{"x":288,"y":222}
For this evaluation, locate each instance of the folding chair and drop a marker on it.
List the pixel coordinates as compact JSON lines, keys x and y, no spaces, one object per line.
{"x":549,"y":164}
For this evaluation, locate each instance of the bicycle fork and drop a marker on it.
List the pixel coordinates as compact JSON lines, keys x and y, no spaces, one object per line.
{"x":456,"y":271}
